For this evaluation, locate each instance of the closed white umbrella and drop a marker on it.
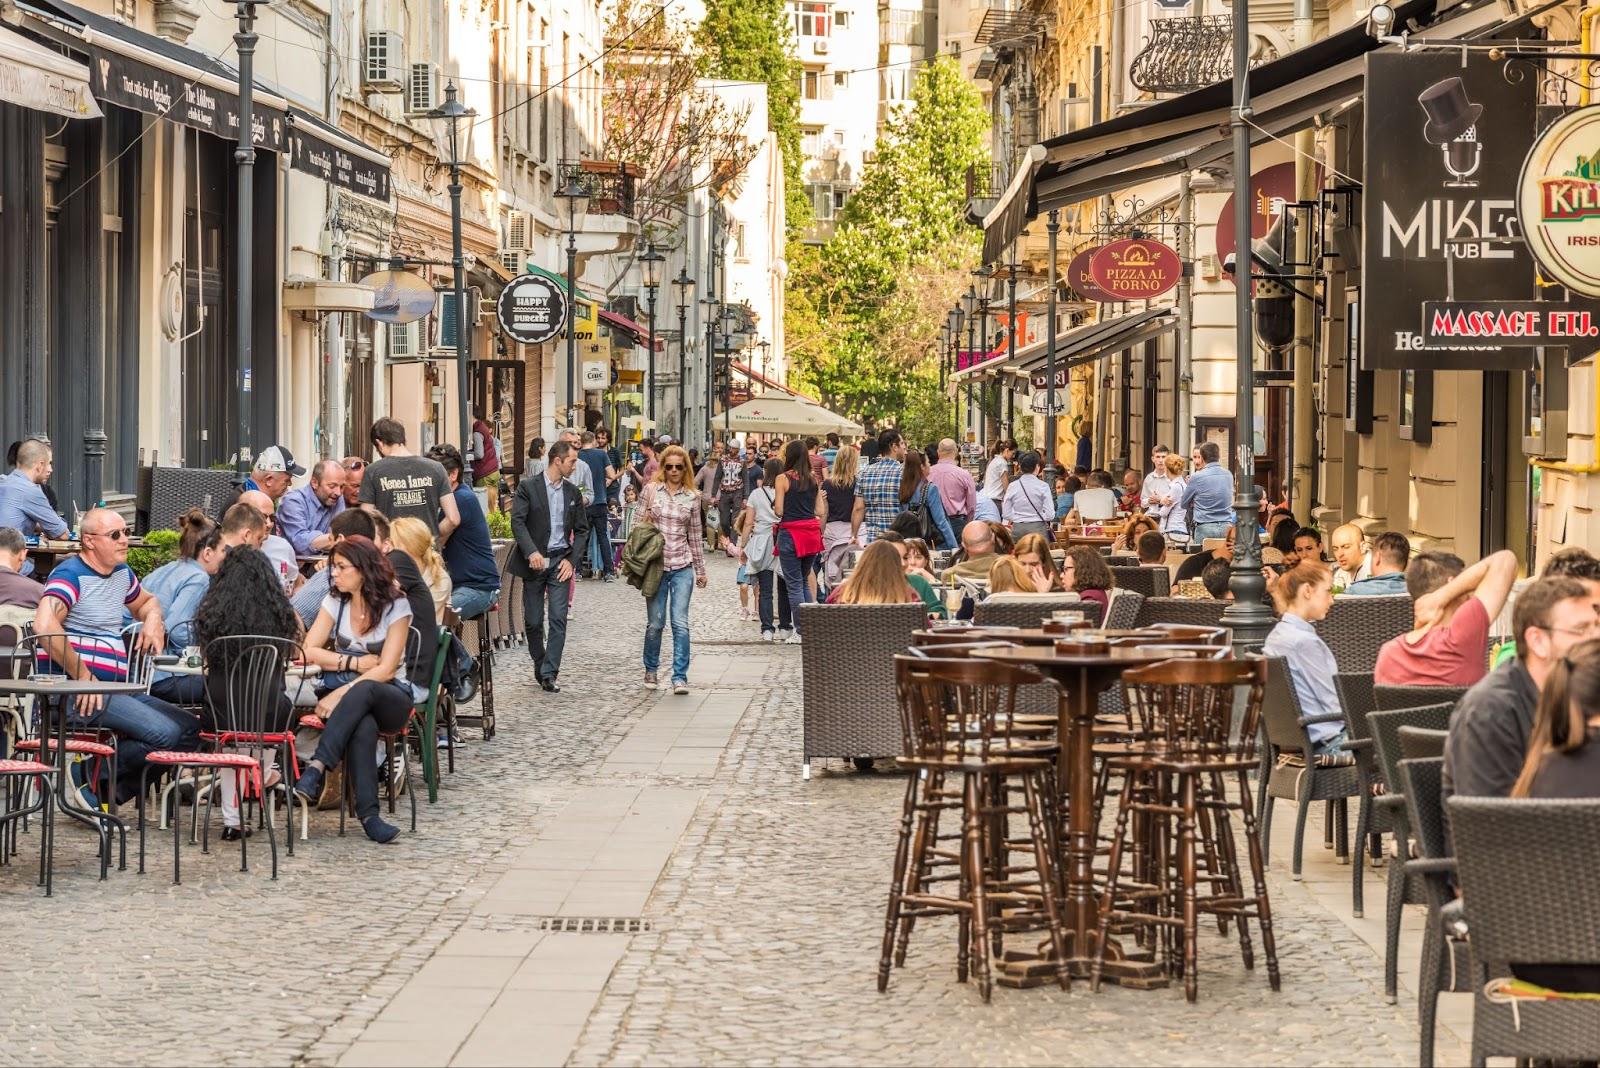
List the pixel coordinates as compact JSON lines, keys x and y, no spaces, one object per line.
{"x":776,"y":414}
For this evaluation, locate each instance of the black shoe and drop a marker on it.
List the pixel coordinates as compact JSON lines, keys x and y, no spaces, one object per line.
{"x":549,"y":685}
{"x":233,"y":834}
{"x":379,"y":831}
{"x":309,"y":785}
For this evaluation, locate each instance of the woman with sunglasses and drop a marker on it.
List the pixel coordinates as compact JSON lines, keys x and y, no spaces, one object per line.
{"x":673,"y":506}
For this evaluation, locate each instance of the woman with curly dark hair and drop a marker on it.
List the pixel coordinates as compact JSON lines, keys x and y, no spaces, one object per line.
{"x":245,"y":597}
{"x":1085,"y":572}
{"x":367,"y":621}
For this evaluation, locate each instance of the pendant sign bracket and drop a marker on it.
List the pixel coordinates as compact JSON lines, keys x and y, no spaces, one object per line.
{"x":531,"y":309}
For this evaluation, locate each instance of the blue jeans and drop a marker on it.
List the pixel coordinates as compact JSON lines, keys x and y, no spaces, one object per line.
{"x":795,"y":569}
{"x":143,"y":724}
{"x":470,"y":603}
{"x":1202,"y":531}
{"x":600,"y":556}
{"x":676,"y":586}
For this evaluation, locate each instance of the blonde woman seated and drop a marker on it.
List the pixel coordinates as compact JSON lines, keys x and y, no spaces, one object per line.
{"x":878,"y":578}
{"x":412,"y":537}
{"x":1010,"y":581}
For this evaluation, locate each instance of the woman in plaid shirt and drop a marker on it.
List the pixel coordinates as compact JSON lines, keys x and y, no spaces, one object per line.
{"x":674,"y":507}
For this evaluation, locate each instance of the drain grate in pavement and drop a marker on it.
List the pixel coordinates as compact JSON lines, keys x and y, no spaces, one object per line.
{"x":595,"y":924}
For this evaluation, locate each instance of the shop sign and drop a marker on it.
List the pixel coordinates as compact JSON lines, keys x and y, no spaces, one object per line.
{"x":596,"y":374}
{"x":1510,"y":324}
{"x":1439,"y":207}
{"x":1135,"y":269}
{"x":322,"y":158}
{"x":116,"y":79}
{"x":1559,"y":197}
{"x":968,"y":358}
{"x":1082,"y":283}
{"x":1039,"y":403}
{"x":1063,"y":376}
{"x":531,"y":309}
{"x":1271,"y":191}
{"x":585,"y":316}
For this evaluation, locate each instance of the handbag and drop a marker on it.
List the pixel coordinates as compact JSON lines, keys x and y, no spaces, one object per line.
{"x":920,"y":521}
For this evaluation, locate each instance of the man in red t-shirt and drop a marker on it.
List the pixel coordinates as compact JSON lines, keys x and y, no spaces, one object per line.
{"x":1453,"y":606}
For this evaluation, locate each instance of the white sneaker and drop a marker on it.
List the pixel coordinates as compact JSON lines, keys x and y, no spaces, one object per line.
{"x":792,"y":639}
{"x":783,"y":634}
{"x":768,"y":636}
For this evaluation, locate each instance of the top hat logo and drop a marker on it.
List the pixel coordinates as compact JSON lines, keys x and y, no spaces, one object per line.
{"x":1450,"y":113}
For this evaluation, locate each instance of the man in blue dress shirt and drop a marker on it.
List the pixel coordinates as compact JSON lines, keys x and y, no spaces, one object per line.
{"x":305,"y":515}
{"x":1210,"y":492}
{"x":23,"y":504}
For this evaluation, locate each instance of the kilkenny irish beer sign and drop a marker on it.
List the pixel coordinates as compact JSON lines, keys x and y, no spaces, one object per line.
{"x":1559,"y":201}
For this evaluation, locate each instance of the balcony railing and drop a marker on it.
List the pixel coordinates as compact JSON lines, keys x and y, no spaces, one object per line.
{"x":610,"y":184}
{"x":1183,"y":54}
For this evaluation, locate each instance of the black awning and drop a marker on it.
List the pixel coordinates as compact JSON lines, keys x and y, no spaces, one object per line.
{"x":1189,"y":131}
{"x":1090,"y":337}
{"x":1116,"y":335}
{"x":327,"y":152}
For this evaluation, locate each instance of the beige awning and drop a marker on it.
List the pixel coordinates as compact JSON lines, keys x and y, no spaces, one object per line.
{"x":33,"y":76}
{"x":778,"y":414}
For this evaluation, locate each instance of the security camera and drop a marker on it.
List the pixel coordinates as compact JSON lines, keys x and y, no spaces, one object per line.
{"x":1380,"y":20}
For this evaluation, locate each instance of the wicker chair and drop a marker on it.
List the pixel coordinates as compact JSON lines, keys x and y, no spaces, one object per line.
{"x":1421,"y":743}
{"x":1402,"y":890}
{"x":1372,"y":822}
{"x":1547,"y":919}
{"x":1123,"y":612}
{"x":1446,"y":932}
{"x":1181,"y":610}
{"x":1357,"y":627}
{"x":1031,"y":612}
{"x":1149,"y":581}
{"x":850,"y":705}
{"x":168,"y":492}
{"x":1389,"y":698}
{"x":1303,"y":781}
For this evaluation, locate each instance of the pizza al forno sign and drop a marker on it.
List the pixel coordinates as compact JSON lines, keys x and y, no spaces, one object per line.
{"x":1135,"y":269}
{"x":1558,"y":198}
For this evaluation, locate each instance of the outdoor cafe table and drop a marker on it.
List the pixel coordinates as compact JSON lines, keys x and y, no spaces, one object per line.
{"x":54,"y":691}
{"x":1080,"y":678}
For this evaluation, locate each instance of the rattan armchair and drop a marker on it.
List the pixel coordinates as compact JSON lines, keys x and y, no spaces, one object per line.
{"x":849,"y":704}
{"x":1355,"y":628}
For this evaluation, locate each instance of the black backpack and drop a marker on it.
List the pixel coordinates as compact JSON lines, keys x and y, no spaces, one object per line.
{"x":916,"y":521}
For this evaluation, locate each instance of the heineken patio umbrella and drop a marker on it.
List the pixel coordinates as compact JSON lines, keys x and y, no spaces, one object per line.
{"x":775,"y":414}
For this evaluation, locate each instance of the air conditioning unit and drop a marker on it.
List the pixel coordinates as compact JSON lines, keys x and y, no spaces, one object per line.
{"x":519,"y":231}
{"x":403,"y":342}
{"x":383,"y":69}
{"x":514,"y":260}
{"x":821,"y":45}
{"x":422,"y":89}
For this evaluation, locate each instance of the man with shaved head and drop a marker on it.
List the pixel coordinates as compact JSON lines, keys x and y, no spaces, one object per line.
{"x":978,"y":554}
{"x":80,"y":613}
{"x":1350,"y":553}
{"x":23,"y":504}
{"x":956,"y":488}
{"x":278,"y":550}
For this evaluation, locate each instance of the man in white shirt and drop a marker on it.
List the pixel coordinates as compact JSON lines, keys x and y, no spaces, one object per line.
{"x":1156,"y":483}
{"x":1350,"y":553}
{"x":278,"y":551}
{"x":995,"y":477}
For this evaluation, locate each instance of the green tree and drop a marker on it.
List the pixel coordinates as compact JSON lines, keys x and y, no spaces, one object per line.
{"x":753,"y":41}
{"x":863,"y":313}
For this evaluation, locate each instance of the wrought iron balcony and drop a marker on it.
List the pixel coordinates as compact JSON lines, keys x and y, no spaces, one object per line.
{"x":1183,"y":54}
{"x":610,"y":184}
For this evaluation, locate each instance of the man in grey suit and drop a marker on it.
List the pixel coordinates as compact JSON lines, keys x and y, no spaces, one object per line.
{"x":551,"y":526}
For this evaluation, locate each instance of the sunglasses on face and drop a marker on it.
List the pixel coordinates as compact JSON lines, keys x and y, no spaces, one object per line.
{"x":672,"y":467}
{"x":115,"y":535}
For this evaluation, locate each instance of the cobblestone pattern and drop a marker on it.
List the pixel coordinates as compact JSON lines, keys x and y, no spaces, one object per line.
{"x":767,"y":920}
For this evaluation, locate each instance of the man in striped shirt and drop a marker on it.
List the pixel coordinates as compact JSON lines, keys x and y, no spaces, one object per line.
{"x":82,"y":608}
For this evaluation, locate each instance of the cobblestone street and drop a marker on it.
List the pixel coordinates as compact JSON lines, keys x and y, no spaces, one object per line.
{"x":743,"y":910}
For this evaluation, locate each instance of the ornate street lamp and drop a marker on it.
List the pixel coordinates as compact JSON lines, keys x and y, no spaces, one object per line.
{"x":452,"y":111}
{"x":651,"y":262}
{"x":684,"y":284}
{"x":244,"y":158}
{"x":575,"y":205}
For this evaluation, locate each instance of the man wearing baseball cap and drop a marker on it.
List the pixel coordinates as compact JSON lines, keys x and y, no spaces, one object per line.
{"x":274,"y":470}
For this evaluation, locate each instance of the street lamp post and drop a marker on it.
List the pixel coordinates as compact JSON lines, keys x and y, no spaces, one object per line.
{"x":954,"y":327}
{"x":452,"y":112}
{"x":713,"y":312}
{"x":651,"y":262}
{"x":1053,"y":229}
{"x":244,"y":158}
{"x":1247,"y":614}
{"x":575,"y":199}
{"x":983,"y":390}
{"x":1011,"y":339}
{"x":684,"y":284}
{"x":969,"y":311}
{"x":766,"y":349}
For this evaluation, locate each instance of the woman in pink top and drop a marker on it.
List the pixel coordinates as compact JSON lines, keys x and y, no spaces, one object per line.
{"x":1453,"y":607}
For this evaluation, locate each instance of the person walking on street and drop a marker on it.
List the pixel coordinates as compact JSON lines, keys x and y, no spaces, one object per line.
{"x":878,"y":486}
{"x":673,"y":507}
{"x":761,"y":557}
{"x":1209,"y":492}
{"x":601,"y":475}
{"x":730,"y":492}
{"x":956,"y":488}
{"x":919,"y":491}
{"x":550,"y":524}
{"x":840,"y":528}
{"x":1028,"y":506}
{"x":995,"y":479}
{"x":800,"y":501}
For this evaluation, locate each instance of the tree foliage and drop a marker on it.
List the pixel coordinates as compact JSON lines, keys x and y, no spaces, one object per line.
{"x":753,"y":41}
{"x":863,"y":312}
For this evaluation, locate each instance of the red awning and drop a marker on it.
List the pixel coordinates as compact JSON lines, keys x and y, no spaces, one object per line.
{"x":769,"y":383}
{"x":635,"y":333}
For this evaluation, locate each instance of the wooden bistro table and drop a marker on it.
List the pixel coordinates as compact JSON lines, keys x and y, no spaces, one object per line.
{"x":1080,"y":678}
{"x":55,"y":694}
